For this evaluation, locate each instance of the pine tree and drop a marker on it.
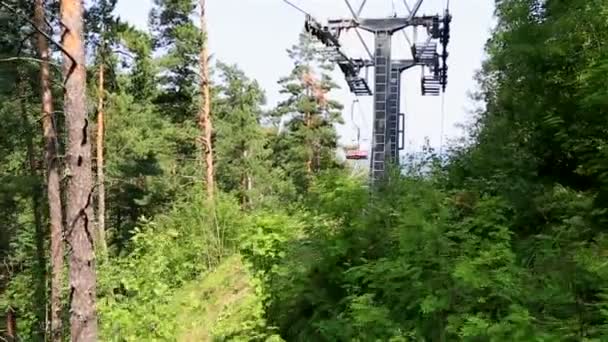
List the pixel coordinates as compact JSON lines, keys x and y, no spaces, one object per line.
{"x":145,"y":166}
{"x":179,"y":41}
{"x":102,"y":35}
{"x":242,"y":156}
{"x":52,"y":176}
{"x":184,"y":78}
{"x":79,"y":231}
{"x":141,"y":81}
{"x":141,"y":163}
{"x":178,"y":37}
{"x":308,"y":144}
{"x":23,"y":93}
{"x":26,"y":237}
{"x":205,"y":119}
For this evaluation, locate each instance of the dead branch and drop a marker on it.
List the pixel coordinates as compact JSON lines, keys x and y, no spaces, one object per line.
{"x":28,"y":59}
{"x":41,"y":31}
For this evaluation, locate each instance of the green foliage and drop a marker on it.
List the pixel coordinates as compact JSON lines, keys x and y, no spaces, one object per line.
{"x":22,"y":245}
{"x":102,"y":29}
{"x":225,"y":305}
{"x":241,"y":144}
{"x":140,"y":83}
{"x":181,"y":41}
{"x":19,"y":272}
{"x":174,"y":249}
{"x":140,"y":164}
{"x":420,"y":264}
{"x":307,"y":144}
{"x":174,"y":76}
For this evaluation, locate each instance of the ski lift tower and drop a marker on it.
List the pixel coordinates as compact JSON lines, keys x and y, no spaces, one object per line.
{"x":388,"y":123}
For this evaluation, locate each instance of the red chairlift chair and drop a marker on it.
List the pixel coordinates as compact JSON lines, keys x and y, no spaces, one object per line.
{"x":355,"y":152}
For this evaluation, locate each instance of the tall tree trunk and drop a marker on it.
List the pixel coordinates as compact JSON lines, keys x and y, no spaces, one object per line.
{"x":205,"y":121}
{"x":40,"y":273}
{"x":101,"y":190}
{"x":309,"y":146}
{"x":52,"y":177}
{"x":80,"y":235}
{"x":246,"y":180}
{"x":309,"y":82}
{"x":11,"y":325}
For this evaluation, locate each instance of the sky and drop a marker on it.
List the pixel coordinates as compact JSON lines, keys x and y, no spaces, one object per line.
{"x":254,"y":34}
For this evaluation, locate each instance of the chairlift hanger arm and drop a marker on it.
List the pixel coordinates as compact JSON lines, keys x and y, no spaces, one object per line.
{"x":361,"y":8}
{"x":407,"y":38}
{"x":369,"y":52}
{"x":415,"y":9}
{"x":407,"y":7}
{"x":352,"y":10}
{"x":354,"y":24}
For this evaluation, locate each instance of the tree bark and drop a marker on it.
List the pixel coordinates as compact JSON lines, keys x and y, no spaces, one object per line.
{"x":52,"y":176}
{"x":309,"y":83}
{"x":101,"y":190}
{"x":309,"y":146}
{"x":11,"y":325}
{"x":83,"y":315}
{"x":205,"y":121}
{"x":40,"y":235}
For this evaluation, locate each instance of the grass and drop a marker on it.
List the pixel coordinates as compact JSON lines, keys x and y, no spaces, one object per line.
{"x":223,"y":305}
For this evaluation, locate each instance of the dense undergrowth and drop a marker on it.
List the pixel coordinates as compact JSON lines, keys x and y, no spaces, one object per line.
{"x":420,"y":263}
{"x":417,"y":261}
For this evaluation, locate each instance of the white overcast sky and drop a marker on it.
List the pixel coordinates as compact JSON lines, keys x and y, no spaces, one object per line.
{"x":255,"y":34}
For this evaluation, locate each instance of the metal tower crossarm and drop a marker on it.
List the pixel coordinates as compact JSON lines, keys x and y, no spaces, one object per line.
{"x":351,"y":68}
{"x":385,"y":24}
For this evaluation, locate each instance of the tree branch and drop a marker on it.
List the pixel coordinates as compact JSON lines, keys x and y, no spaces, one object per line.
{"x":28,"y":59}
{"x":46,"y":35}
{"x":124,"y":53}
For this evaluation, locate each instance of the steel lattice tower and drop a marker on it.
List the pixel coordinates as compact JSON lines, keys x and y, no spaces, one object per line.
{"x":388,"y":123}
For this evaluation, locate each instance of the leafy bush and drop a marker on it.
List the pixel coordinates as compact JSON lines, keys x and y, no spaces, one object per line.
{"x":418,"y":263}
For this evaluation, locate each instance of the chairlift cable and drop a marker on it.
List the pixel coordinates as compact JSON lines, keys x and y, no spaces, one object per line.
{"x":352,"y":113}
{"x":296,"y":7}
{"x":407,"y":7}
{"x":362,"y":116}
{"x":442,"y":125}
{"x":364,"y":125}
